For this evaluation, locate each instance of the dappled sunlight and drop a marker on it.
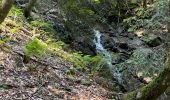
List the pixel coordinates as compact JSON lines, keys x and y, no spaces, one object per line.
{"x":140,"y":32}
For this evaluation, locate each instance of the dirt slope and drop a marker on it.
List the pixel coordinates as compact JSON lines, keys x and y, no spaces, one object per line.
{"x":40,"y":79}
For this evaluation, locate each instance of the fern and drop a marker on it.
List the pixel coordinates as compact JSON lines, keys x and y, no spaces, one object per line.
{"x":35,"y":48}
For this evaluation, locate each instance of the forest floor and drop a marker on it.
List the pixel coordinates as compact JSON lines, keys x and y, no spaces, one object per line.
{"x":39,"y":79}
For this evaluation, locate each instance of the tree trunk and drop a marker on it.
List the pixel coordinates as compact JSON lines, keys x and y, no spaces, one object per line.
{"x":168,"y":27}
{"x":145,"y":4}
{"x":5,"y":8}
{"x":28,"y":8}
{"x":168,"y":24}
{"x":154,"y":89}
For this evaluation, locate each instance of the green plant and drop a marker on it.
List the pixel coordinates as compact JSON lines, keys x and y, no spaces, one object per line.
{"x":35,"y":48}
{"x":43,"y":25}
{"x":16,"y":13}
{"x":95,"y":63}
{"x":139,"y":20}
{"x":155,"y":17}
{"x":59,"y":44}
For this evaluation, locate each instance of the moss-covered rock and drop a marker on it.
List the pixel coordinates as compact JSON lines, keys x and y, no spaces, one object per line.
{"x":152,"y":40}
{"x":144,"y":61}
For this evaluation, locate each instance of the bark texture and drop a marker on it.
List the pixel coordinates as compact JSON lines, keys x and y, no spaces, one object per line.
{"x":168,"y":24}
{"x":145,"y":4}
{"x":28,"y":8}
{"x":168,"y":27}
{"x":5,"y":8}
{"x":154,"y":89}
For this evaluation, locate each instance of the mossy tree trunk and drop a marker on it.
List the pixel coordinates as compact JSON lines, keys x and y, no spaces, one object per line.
{"x":5,"y":8}
{"x":28,"y":8}
{"x":154,"y":89}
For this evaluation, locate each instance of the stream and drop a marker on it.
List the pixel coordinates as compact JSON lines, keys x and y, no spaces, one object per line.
{"x":106,"y":55}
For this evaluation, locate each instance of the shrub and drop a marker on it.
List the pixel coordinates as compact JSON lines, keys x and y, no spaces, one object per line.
{"x":35,"y":48}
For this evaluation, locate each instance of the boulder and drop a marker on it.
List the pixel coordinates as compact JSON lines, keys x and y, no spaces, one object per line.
{"x":119,"y":58}
{"x":136,"y":43}
{"x":85,"y":45}
{"x":117,"y":44}
{"x":144,"y":61}
{"x":152,"y":40}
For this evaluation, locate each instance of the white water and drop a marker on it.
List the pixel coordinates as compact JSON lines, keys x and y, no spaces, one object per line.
{"x":101,"y":49}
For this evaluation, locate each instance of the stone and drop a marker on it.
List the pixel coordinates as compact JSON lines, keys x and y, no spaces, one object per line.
{"x":85,"y":82}
{"x":117,"y":44}
{"x":119,"y":58}
{"x":1,"y":67}
{"x":136,"y":43}
{"x":152,"y":40}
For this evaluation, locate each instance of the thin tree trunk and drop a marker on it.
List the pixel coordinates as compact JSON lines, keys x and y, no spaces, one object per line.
{"x":145,"y":4}
{"x":168,"y":24}
{"x":28,"y":8}
{"x":168,"y":27}
{"x":154,"y":89}
{"x":5,"y":8}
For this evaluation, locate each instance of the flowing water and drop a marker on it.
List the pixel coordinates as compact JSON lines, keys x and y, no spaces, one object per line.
{"x":101,"y":49}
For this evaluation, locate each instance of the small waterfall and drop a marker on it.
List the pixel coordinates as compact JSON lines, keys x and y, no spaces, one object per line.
{"x":101,"y":49}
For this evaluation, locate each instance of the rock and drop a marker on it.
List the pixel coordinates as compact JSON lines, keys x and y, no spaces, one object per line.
{"x":142,"y":53}
{"x":119,"y":58}
{"x":107,"y":83}
{"x":1,"y":67}
{"x":117,"y":44}
{"x":152,"y":40}
{"x":69,"y":89}
{"x":136,"y":43}
{"x":143,"y":60}
{"x":85,"y":45}
{"x":86,"y":82}
{"x":129,"y":35}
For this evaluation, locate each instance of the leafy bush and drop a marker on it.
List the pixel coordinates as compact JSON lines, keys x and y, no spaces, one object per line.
{"x":35,"y":48}
{"x":43,"y":25}
{"x":86,"y":61}
{"x":16,"y":13}
{"x":139,"y":20}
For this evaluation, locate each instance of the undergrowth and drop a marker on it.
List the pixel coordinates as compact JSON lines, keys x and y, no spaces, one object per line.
{"x":154,"y":17}
{"x":35,"y":48}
